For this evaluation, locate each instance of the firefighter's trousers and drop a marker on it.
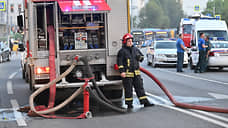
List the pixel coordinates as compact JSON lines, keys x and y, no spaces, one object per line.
{"x":137,"y":83}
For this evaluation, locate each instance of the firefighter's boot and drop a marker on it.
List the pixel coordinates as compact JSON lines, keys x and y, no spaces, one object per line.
{"x":146,"y":103}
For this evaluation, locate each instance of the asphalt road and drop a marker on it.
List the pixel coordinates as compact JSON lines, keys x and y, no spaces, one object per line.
{"x":210,"y":88}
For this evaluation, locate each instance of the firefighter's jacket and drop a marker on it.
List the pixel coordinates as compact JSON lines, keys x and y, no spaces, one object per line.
{"x":128,"y":59}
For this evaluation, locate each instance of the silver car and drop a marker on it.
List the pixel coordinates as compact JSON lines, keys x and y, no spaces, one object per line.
{"x":4,"y":52}
{"x":164,"y":53}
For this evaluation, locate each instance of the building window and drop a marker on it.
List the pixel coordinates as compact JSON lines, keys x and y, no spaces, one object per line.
{"x":11,"y":8}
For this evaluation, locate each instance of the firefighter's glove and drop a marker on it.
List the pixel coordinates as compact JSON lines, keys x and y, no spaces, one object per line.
{"x":140,"y":58}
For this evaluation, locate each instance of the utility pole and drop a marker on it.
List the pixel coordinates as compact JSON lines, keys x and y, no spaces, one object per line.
{"x":214,"y":9}
{"x":7,"y":11}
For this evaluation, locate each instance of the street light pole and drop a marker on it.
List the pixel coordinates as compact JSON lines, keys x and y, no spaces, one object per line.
{"x":7,"y":11}
{"x":214,"y":9}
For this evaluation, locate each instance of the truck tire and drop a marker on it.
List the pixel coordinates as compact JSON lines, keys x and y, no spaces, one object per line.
{"x":154,"y":65}
{"x":26,"y":77}
{"x":1,"y":59}
{"x":185,"y":65}
{"x":148,"y":58}
{"x":220,"y":68}
{"x":191,"y":65}
{"x":8,"y":58}
{"x":31,"y":80}
{"x":23,"y":74}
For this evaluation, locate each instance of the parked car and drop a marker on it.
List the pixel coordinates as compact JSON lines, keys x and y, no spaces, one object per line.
{"x":4,"y":53}
{"x":218,"y":56}
{"x":21,"y":46}
{"x":164,"y":52}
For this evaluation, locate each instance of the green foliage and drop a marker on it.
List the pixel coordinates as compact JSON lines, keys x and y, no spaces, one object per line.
{"x":160,"y":13}
{"x":225,"y":10}
{"x":219,"y":7}
{"x":17,"y":36}
{"x":214,"y":6}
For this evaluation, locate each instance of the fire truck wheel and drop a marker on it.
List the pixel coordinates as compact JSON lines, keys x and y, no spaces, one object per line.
{"x":26,"y":77}
{"x":23,"y":73}
{"x":31,"y":80}
{"x":191,"y":65}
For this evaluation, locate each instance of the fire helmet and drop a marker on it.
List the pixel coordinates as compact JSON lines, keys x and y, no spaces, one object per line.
{"x":126,"y":37}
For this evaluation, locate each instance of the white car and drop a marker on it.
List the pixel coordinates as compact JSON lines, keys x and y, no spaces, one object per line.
{"x":164,"y":53}
{"x":218,"y":56}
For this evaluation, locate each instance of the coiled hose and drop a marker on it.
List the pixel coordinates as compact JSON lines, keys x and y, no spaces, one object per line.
{"x":38,"y":91}
{"x":178,"y":104}
{"x":88,"y":70}
{"x":99,"y":96}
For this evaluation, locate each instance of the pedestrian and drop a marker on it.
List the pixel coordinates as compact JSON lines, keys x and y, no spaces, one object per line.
{"x":128,"y":59}
{"x":202,"y":54}
{"x":208,"y":50}
{"x":180,"y":53}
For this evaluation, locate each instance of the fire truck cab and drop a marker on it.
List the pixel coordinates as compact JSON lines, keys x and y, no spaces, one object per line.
{"x":91,"y":28}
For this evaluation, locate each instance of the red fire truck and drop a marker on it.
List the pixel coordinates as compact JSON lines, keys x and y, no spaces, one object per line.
{"x":91,"y":28}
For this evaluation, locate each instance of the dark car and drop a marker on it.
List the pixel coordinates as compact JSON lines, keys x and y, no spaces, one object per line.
{"x":21,"y":46}
{"x":4,"y":53}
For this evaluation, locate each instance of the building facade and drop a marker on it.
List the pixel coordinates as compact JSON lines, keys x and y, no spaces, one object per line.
{"x":188,"y":6}
{"x":12,"y":9}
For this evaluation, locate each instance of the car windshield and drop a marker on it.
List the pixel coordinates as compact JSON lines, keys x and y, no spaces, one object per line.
{"x":165,"y":45}
{"x":220,"y":35}
{"x":162,"y":35}
{"x":138,"y":36}
{"x":187,"y":29}
{"x":219,"y":45}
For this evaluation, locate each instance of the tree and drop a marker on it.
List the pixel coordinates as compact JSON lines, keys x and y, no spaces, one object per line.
{"x":160,"y":13}
{"x":173,"y":11}
{"x":225,"y":10}
{"x":214,"y":7}
{"x":152,"y":15}
{"x":217,"y":7}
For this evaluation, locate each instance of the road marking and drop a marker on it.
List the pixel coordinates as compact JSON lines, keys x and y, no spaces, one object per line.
{"x":159,"y":98}
{"x":219,"y":96}
{"x":213,"y":121}
{"x":194,"y":77}
{"x":9,"y":87}
{"x":12,"y":75}
{"x":19,"y":118}
{"x":212,"y":115}
{"x":150,"y":99}
{"x":167,"y":105}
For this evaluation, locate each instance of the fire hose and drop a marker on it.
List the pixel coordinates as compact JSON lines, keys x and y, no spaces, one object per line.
{"x":100,"y":97}
{"x":182,"y":105}
{"x":38,"y":91}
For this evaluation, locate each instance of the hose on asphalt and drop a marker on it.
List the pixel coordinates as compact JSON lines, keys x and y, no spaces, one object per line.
{"x":182,"y":105}
{"x":90,"y":74}
{"x":38,"y":91}
{"x":111,"y":106}
{"x":99,"y":96}
{"x":88,"y":70}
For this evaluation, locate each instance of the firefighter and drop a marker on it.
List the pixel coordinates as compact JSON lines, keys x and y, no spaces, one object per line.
{"x":128,"y":59}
